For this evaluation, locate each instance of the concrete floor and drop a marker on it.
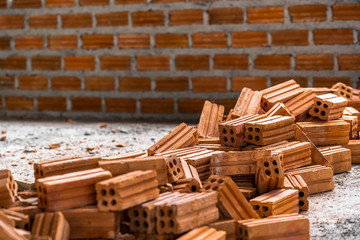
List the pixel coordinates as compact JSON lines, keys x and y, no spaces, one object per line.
{"x":333,"y":215}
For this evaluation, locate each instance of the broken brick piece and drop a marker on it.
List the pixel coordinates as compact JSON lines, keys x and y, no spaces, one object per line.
{"x":278,"y":109}
{"x":21,"y":221}
{"x":8,"y":230}
{"x":344,"y":90}
{"x":8,"y":188}
{"x":187,"y":185}
{"x":229,"y":226}
{"x":296,"y":182}
{"x":328,"y":107}
{"x":211,"y":115}
{"x":52,"y":225}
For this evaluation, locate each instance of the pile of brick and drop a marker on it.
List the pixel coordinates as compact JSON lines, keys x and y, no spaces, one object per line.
{"x":246,"y":175}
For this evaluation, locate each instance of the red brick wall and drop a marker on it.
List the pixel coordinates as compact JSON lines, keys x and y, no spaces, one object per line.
{"x":162,"y":58}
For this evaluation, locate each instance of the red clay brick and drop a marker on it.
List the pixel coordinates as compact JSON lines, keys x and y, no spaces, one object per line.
{"x":93,"y":41}
{"x":93,"y":2}
{"x":346,"y":11}
{"x":186,"y":17}
{"x":5,"y":43}
{"x":265,"y":14}
{"x":149,"y":18}
{"x":46,"y":62}
{"x":314,"y":62}
{"x":51,"y":104}
{"x":290,"y":37}
{"x":134,"y":84}
{"x":171,"y":40}
{"x":29,"y":42}
{"x":65,"y":83}
{"x":19,"y":103}
{"x":278,"y":61}
{"x":62,"y":42}
{"x":112,"y":19}
{"x":230,"y":61}
{"x":79,"y":20}
{"x":157,"y":105}
{"x":59,"y":3}
{"x":172,"y":84}
{"x":33,"y":82}
{"x":255,"y":83}
{"x":227,"y":103}
{"x":99,"y":83}
{"x":13,"y":63}
{"x":302,"y":81}
{"x":43,"y":21}
{"x":11,"y":21}
{"x":192,"y":62}
{"x":190,"y":105}
{"x":226,"y":15}
{"x":330,"y":81}
{"x":3,"y":4}
{"x":86,"y":104}
{"x":115,"y":62}
{"x":249,"y":39}
{"x":209,"y":40}
{"x":209,"y":84}
{"x":153,"y":63}
{"x":79,"y":63}
{"x":127,"y":105}
{"x":307,"y":13}
{"x":333,"y":36}
{"x":127,"y":41}
{"x":26,"y":4}
{"x":349,"y":61}
{"x":129,"y":1}
{"x":7,"y":82}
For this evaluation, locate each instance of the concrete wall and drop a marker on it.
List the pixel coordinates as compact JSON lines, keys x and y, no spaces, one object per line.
{"x":162,"y":58}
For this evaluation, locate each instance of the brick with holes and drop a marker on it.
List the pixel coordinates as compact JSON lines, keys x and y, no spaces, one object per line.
{"x":328,"y":107}
{"x":345,"y":91}
{"x":350,"y":111}
{"x":354,"y":125}
{"x":52,"y":225}
{"x":187,"y":185}
{"x":297,"y":182}
{"x":21,"y":220}
{"x":338,"y":156}
{"x":299,"y":106}
{"x":8,"y":188}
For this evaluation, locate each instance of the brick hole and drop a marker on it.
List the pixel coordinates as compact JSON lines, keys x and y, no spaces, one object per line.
{"x":144,"y":213}
{"x":318,"y":103}
{"x":162,"y":213}
{"x":250,"y":137}
{"x":348,"y":90}
{"x":113,"y":202}
{"x":326,"y":106}
{"x":220,"y":181}
{"x":171,"y":165}
{"x":174,"y":173}
{"x":301,"y":194}
{"x":246,"y":233}
{"x":301,"y":203}
{"x":41,"y":173}
{"x":44,"y":190}
{"x":266,"y":164}
{"x":174,"y":161}
{"x":232,"y":139}
{"x":268,"y":172}
{"x":212,"y":180}
{"x":37,"y":171}
{"x":274,"y":163}
{"x":257,"y":138}
{"x":104,"y":203}
{"x":171,"y":223}
{"x":10,"y":186}
{"x":112,"y":192}
{"x":322,"y":113}
{"x":40,"y":189}
{"x":103,"y":192}
{"x":316,"y":110}
{"x":250,"y":129}
{"x":26,"y":226}
{"x":207,"y":187}
{"x":162,"y":224}
{"x":136,"y":213}
{"x":347,"y":95}
{"x":137,"y":223}
{"x":146,"y":225}
{"x":266,"y":105}
{"x":224,"y":131}
{"x":225,"y":139}
{"x":276,"y":170}
{"x":343,"y":88}
{"x":231,"y":132}
{"x":214,"y":188}
{"x":41,"y":200}
{"x":178,"y":170}
{"x":193,"y":188}
{"x":265,"y":208}
{"x":45,"y":201}
{"x":257,"y":129}
{"x":240,"y":230}
{"x":256,"y":207}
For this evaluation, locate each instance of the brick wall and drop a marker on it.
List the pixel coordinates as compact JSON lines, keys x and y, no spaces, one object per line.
{"x":162,"y":58}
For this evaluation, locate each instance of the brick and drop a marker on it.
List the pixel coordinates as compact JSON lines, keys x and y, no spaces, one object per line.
{"x":349,"y":61}
{"x":33,"y":82}
{"x":112,"y":19}
{"x":99,"y":83}
{"x":129,"y":1}
{"x":265,"y":14}
{"x":43,"y":21}
{"x":302,"y":81}
{"x":3,"y":4}
{"x":26,"y":4}
{"x":93,"y":41}
{"x":46,"y":62}
{"x":93,"y":2}
{"x":79,"y":20}
{"x":186,"y":17}
{"x":11,"y":21}
{"x":249,"y":39}
{"x":307,"y":13}
{"x":192,"y":62}
{"x":29,"y":42}
{"x":209,"y":40}
{"x":128,"y":41}
{"x":171,"y":40}
{"x":209,"y":84}
{"x":59,"y":3}
{"x":172,"y":84}
{"x":164,"y":1}
{"x":19,"y":103}
{"x":255,"y":83}
{"x":7,"y":82}
{"x":87,"y":104}
{"x":314,"y":62}
{"x":157,"y":105}
{"x":5,"y":43}
{"x":127,"y":105}
{"x":226,"y":15}
{"x":333,"y":36}
{"x":153,"y":63}
{"x":13,"y":63}
{"x":149,"y":18}
{"x":115,"y":62}
{"x":330,"y":81}
{"x":230,"y":61}
{"x":135,"y":84}
{"x":190,"y":105}
{"x":79,"y":63}
{"x":280,"y":61}
{"x":62,"y":42}
{"x":227,"y":103}
{"x":346,"y":11}
{"x":290,"y":37}
{"x":51,"y":104}
{"x":65,"y":83}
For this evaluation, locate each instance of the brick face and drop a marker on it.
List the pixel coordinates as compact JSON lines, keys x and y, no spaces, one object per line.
{"x":128,"y":41}
{"x":124,"y":105}
{"x":333,"y":36}
{"x":135,"y":84}
{"x":314,"y":62}
{"x":51,"y":104}
{"x":62,"y":42}
{"x":290,"y":37}
{"x":26,"y":3}
{"x":192,"y":62}
{"x":169,"y":40}
{"x":7,"y":82}
{"x":115,"y":62}
{"x":11,"y":22}
{"x":79,"y":63}
{"x":349,"y":61}
{"x":226,"y":15}
{"x":5,"y":43}
{"x":112,"y":19}
{"x":273,"y":62}
{"x":249,"y":39}
{"x":255,"y":83}
{"x":265,"y":14}
{"x":346,"y":12}
{"x":150,"y":18}
{"x":43,"y":21}
{"x":330,"y":81}
{"x":209,"y":84}
{"x":306,"y":13}
{"x":33,"y":82}
{"x":86,"y":104}
{"x":59,"y":3}
{"x":46,"y":62}
{"x":94,"y":41}
{"x":209,"y":40}
{"x":80,"y":20}
{"x":153,"y":63}
{"x":19,"y":103}
{"x":93,"y":2}
{"x":29,"y":42}
{"x":186,"y":17}
{"x":154,"y":105}
{"x":98,"y":83}
{"x":13,"y":63}
{"x":190,"y":105}
{"x":65,"y":83}
{"x":229,"y":61}
{"x":171,"y":84}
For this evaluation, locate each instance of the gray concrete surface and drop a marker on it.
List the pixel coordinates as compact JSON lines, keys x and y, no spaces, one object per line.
{"x":333,"y":215}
